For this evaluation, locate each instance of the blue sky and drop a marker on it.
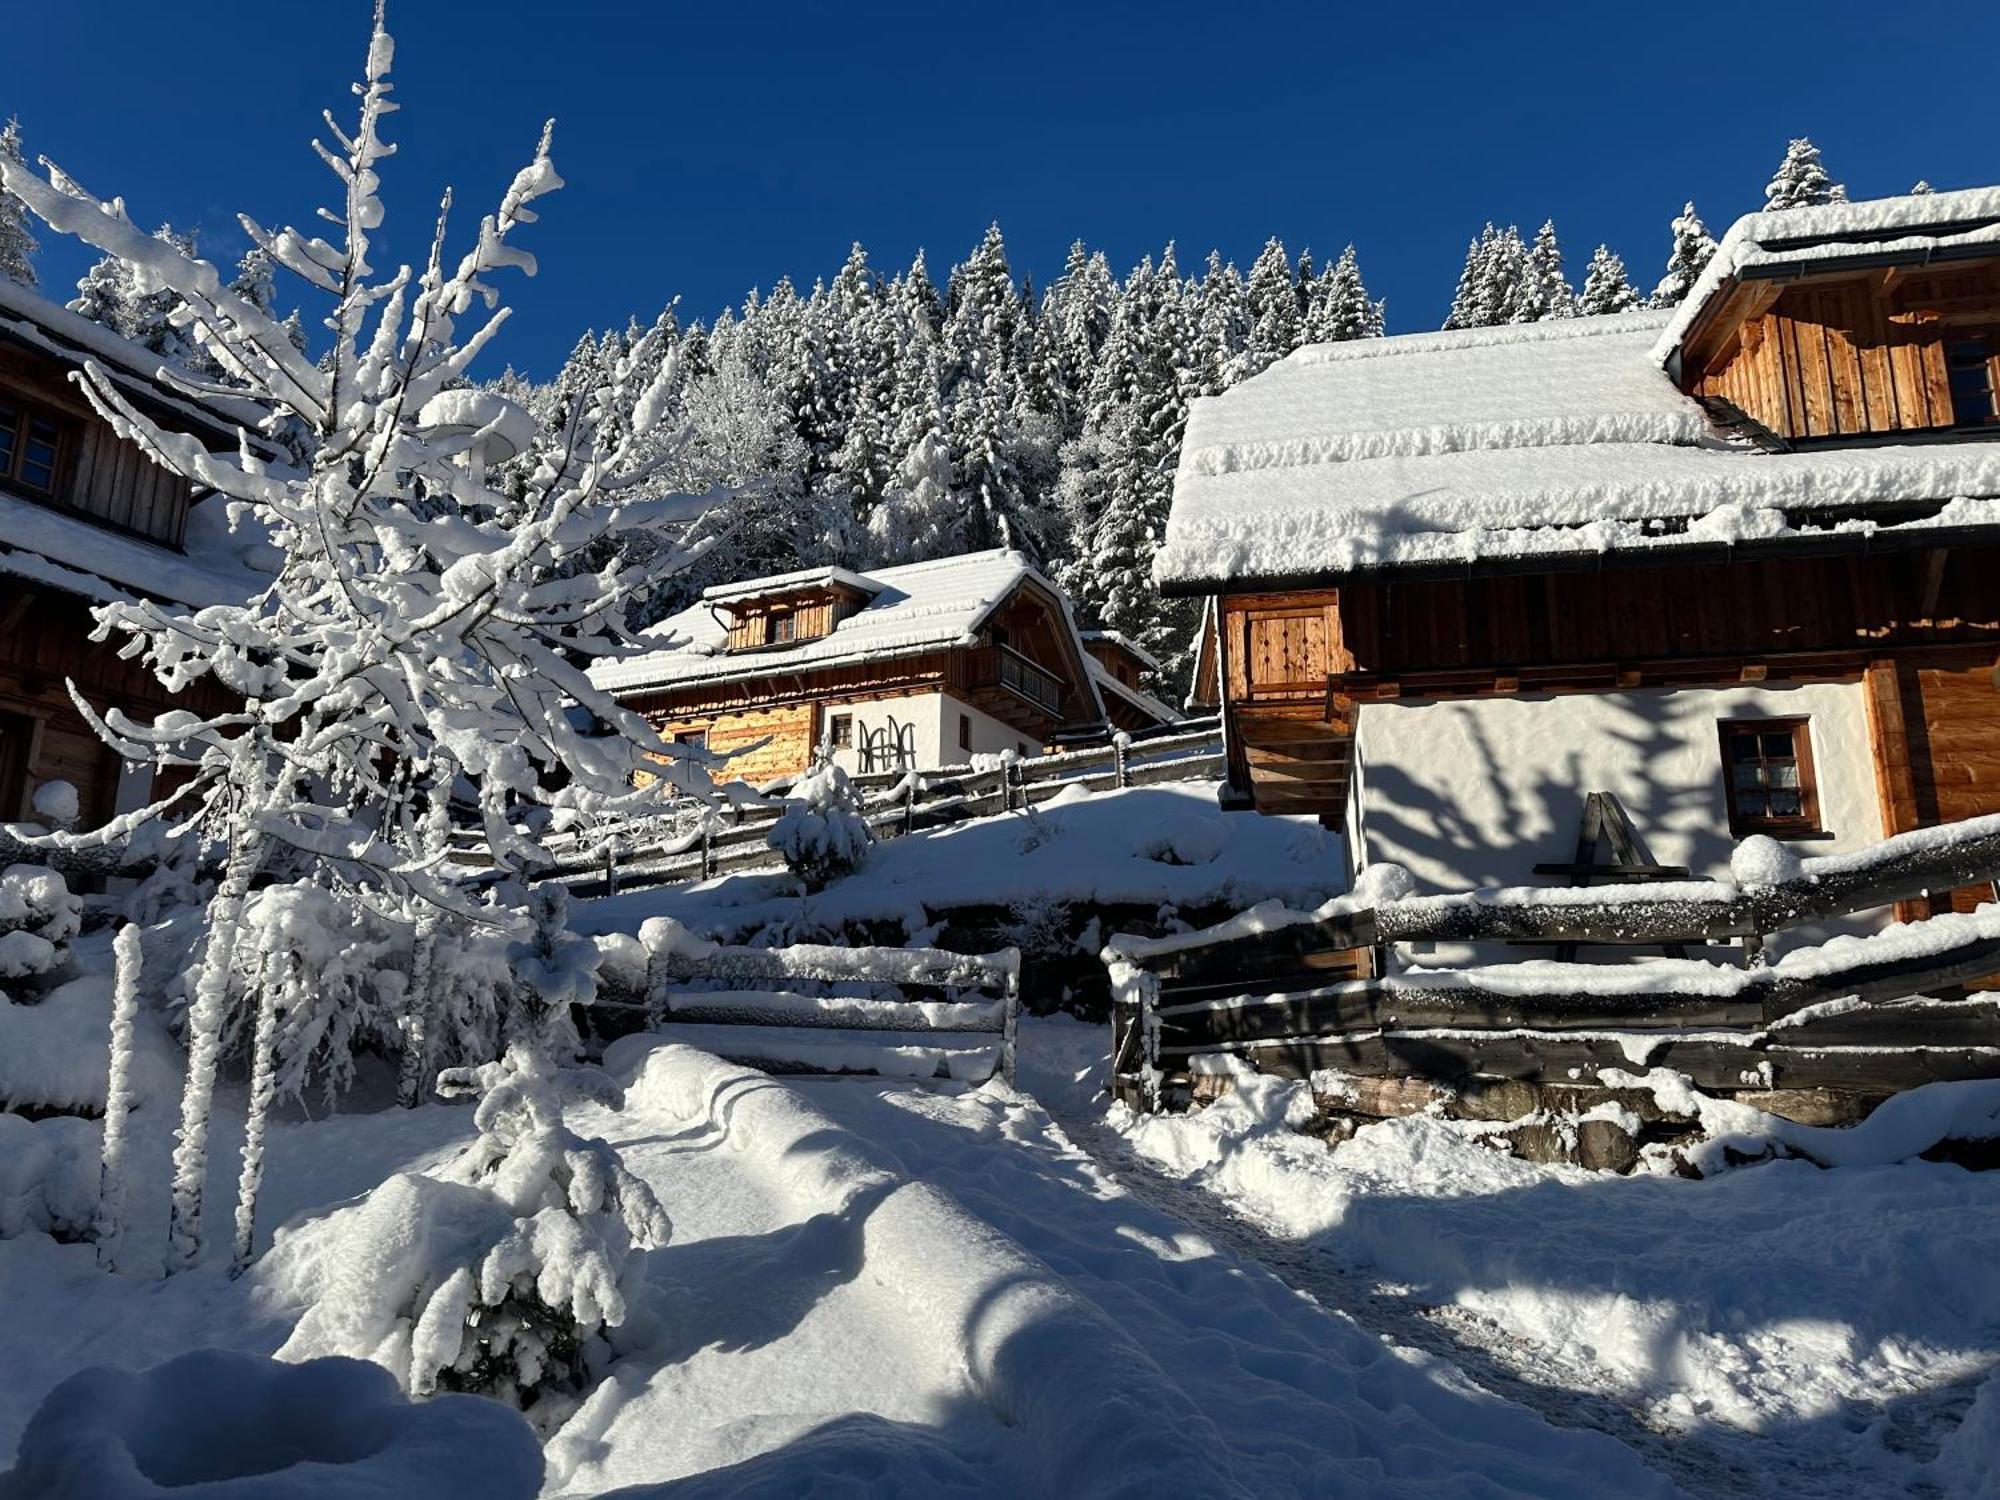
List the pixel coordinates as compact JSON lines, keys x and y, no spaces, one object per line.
{"x":711,"y":148}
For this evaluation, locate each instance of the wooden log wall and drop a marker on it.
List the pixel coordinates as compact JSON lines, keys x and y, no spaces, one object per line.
{"x":99,"y":474}
{"x":1853,"y":356}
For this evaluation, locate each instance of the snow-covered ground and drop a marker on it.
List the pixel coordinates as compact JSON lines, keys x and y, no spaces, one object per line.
{"x":880,"y":1287}
{"x":1779,"y":1329}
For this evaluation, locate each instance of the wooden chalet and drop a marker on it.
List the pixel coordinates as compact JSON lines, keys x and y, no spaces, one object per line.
{"x":1119,"y":667}
{"x":1737,"y":565}
{"x":907,"y":667}
{"x":86,"y":518}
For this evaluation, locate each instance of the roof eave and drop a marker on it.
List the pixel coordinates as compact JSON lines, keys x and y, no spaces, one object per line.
{"x":1665,"y":553}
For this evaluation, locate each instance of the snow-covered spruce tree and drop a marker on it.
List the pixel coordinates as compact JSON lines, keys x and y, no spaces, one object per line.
{"x":822,"y":834}
{"x":1694,"y":248}
{"x":1921,"y":187}
{"x":417,"y":613}
{"x":508,"y":1273}
{"x":1273,"y":302}
{"x":17,"y":242}
{"x":1801,"y":179}
{"x":1341,"y":306}
{"x":1490,"y":286}
{"x":1606,"y":289}
{"x":1545,"y":291}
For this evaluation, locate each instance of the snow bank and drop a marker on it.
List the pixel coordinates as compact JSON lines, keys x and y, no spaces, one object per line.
{"x":48,"y":1176}
{"x":56,"y":1053}
{"x":1094,"y":851}
{"x":1029,"y":1345}
{"x":214,"y":1425}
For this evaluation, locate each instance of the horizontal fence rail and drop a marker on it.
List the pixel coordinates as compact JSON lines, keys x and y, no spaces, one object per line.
{"x":648,"y":851}
{"x":1298,"y":993}
{"x":813,"y":1008}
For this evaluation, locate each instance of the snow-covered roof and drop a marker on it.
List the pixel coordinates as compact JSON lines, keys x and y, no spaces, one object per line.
{"x":72,"y":338}
{"x":223,"y":563}
{"x":785,"y":583}
{"x":1924,"y":227}
{"x":1545,"y":441}
{"x":915,"y":608}
{"x":1126,"y":644}
{"x":1143,"y":701}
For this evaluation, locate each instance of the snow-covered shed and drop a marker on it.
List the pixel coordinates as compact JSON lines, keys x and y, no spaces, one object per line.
{"x":914,"y":666}
{"x":1738,"y":563}
{"x":85,"y":518}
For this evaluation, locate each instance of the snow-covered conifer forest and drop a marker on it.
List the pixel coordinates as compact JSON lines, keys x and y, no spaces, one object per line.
{"x":430,"y":1068}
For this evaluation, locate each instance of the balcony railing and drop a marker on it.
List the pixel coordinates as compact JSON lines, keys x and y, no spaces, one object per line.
{"x":1022,"y":676}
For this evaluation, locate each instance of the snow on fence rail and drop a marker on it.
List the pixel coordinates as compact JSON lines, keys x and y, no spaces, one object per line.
{"x":1293,"y":992}
{"x":812,"y":1008}
{"x":642,"y":852}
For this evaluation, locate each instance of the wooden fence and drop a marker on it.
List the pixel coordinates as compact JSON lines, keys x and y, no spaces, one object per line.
{"x":809,"y":1008}
{"x":1306,"y":992}
{"x":648,"y":852}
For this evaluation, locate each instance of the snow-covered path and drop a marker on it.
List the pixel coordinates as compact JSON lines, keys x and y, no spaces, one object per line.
{"x":1779,"y":1330}
{"x":913,"y":1291}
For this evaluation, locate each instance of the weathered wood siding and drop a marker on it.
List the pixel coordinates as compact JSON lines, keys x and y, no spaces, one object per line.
{"x":99,"y":474}
{"x":787,"y":733}
{"x":1855,"y":356}
{"x":44,"y":643}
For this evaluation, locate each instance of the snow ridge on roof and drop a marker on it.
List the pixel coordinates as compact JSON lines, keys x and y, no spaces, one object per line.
{"x":1572,"y":381}
{"x":917,"y":607}
{"x":71,"y":337}
{"x":752,"y":588}
{"x":1435,"y":450}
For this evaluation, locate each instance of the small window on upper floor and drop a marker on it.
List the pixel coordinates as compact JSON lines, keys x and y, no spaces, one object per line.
{"x":781,"y":627}
{"x":1969,"y":367}
{"x":31,"y":443}
{"x":840,"y":733}
{"x":1767,"y":768}
{"x":965,"y":731}
{"x":696,"y":738}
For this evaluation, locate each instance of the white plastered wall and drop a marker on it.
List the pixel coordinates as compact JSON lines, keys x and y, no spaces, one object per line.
{"x":1477,"y":792}
{"x":932,"y":721}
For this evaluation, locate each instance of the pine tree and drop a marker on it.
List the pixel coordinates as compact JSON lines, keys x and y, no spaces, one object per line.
{"x":1273,"y":302}
{"x":1491,"y":286}
{"x":1606,"y":289}
{"x":1544,"y":291}
{"x":1694,"y":248}
{"x":1801,"y":180}
{"x":1921,"y":187}
{"x":1342,"y":308}
{"x":17,"y":242}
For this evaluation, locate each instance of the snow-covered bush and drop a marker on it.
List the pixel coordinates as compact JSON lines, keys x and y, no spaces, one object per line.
{"x":38,"y":917}
{"x":217,"y":1425}
{"x":422,"y":632}
{"x":555,"y":970}
{"x":506,"y":1273}
{"x":822,"y":834}
{"x":48,"y":1176}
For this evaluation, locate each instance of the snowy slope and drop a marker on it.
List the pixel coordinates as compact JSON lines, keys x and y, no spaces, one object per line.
{"x":1777,"y":1330}
{"x":1113,"y":847}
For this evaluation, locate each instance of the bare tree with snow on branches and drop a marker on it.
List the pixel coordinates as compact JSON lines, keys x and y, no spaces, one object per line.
{"x":425,"y":633}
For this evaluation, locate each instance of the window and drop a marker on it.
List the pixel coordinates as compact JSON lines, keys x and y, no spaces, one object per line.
{"x":695,"y":737}
{"x":30,"y":447}
{"x":965,"y":731}
{"x":1969,"y":367}
{"x":1768,"y":773}
{"x":840,"y":734}
{"x":1021,"y":749}
{"x":780,"y":626}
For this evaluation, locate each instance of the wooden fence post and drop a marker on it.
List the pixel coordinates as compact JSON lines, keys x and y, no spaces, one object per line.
{"x":1119,"y":743}
{"x":909,"y":801}
{"x":707,"y":849}
{"x":611,"y":867}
